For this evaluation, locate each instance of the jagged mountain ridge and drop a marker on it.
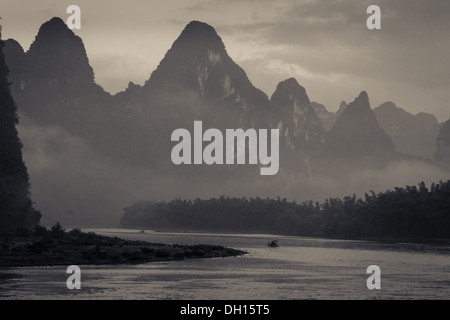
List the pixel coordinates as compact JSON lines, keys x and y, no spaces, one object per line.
{"x":54,"y":84}
{"x":198,"y":69}
{"x":326,"y":117}
{"x":198,"y":61}
{"x":55,"y":71}
{"x":133,"y":127}
{"x":196,"y":80}
{"x":412,"y":134}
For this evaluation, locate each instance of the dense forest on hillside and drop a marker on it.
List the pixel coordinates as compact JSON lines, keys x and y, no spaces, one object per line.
{"x":413,"y":212}
{"x":16,"y":208}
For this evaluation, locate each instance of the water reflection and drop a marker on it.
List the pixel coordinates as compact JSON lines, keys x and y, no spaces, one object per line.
{"x":300,"y":268}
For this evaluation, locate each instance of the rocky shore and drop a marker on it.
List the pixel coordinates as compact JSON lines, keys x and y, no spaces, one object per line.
{"x":42,"y":247}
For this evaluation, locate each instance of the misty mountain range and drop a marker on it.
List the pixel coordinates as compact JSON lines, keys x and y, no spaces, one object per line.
{"x":91,"y":153}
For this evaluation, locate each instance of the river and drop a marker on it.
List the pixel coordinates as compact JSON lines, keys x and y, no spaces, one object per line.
{"x":300,"y":268}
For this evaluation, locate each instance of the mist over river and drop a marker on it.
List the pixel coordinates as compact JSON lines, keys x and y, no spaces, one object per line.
{"x":300,"y":268}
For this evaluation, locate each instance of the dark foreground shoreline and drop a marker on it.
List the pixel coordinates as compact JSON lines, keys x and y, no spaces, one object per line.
{"x":43,"y":247}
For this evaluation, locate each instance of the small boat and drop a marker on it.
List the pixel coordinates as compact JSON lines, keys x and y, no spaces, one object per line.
{"x":273,"y":244}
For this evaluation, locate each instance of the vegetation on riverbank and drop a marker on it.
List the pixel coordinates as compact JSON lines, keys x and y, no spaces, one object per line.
{"x":413,"y":212}
{"x":42,"y":247}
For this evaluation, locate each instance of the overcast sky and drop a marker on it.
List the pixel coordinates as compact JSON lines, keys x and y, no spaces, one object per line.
{"x":324,"y":44}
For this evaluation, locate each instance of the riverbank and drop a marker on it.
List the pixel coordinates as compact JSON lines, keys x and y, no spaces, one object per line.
{"x":42,"y":247}
{"x":380,"y":239}
{"x":299,"y":269}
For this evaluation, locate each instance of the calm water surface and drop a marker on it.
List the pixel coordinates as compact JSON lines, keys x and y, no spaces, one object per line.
{"x":301,"y":268}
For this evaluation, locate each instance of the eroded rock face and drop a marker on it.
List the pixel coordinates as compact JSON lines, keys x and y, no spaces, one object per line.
{"x":198,"y":62}
{"x":300,"y":127}
{"x":53,"y":82}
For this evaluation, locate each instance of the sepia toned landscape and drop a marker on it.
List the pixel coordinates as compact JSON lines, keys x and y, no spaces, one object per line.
{"x":244,"y":144}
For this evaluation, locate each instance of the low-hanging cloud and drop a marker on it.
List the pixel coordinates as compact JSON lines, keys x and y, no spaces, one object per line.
{"x":73,"y":184}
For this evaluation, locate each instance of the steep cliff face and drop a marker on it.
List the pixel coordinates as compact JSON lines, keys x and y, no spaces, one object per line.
{"x":54,"y":85}
{"x":15,"y":203}
{"x":300,"y":127}
{"x":197,"y":79}
{"x":198,"y":61}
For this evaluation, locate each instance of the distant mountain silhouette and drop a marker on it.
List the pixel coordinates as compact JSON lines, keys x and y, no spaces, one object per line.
{"x":194,"y":78}
{"x":342,"y":106}
{"x":55,"y":72}
{"x":54,"y":84}
{"x":413,"y":135}
{"x":357,"y":134}
{"x":327,"y":118}
{"x":54,"y":87}
{"x":199,"y":62}
{"x":443,"y":144}
{"x":197,"y":80}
